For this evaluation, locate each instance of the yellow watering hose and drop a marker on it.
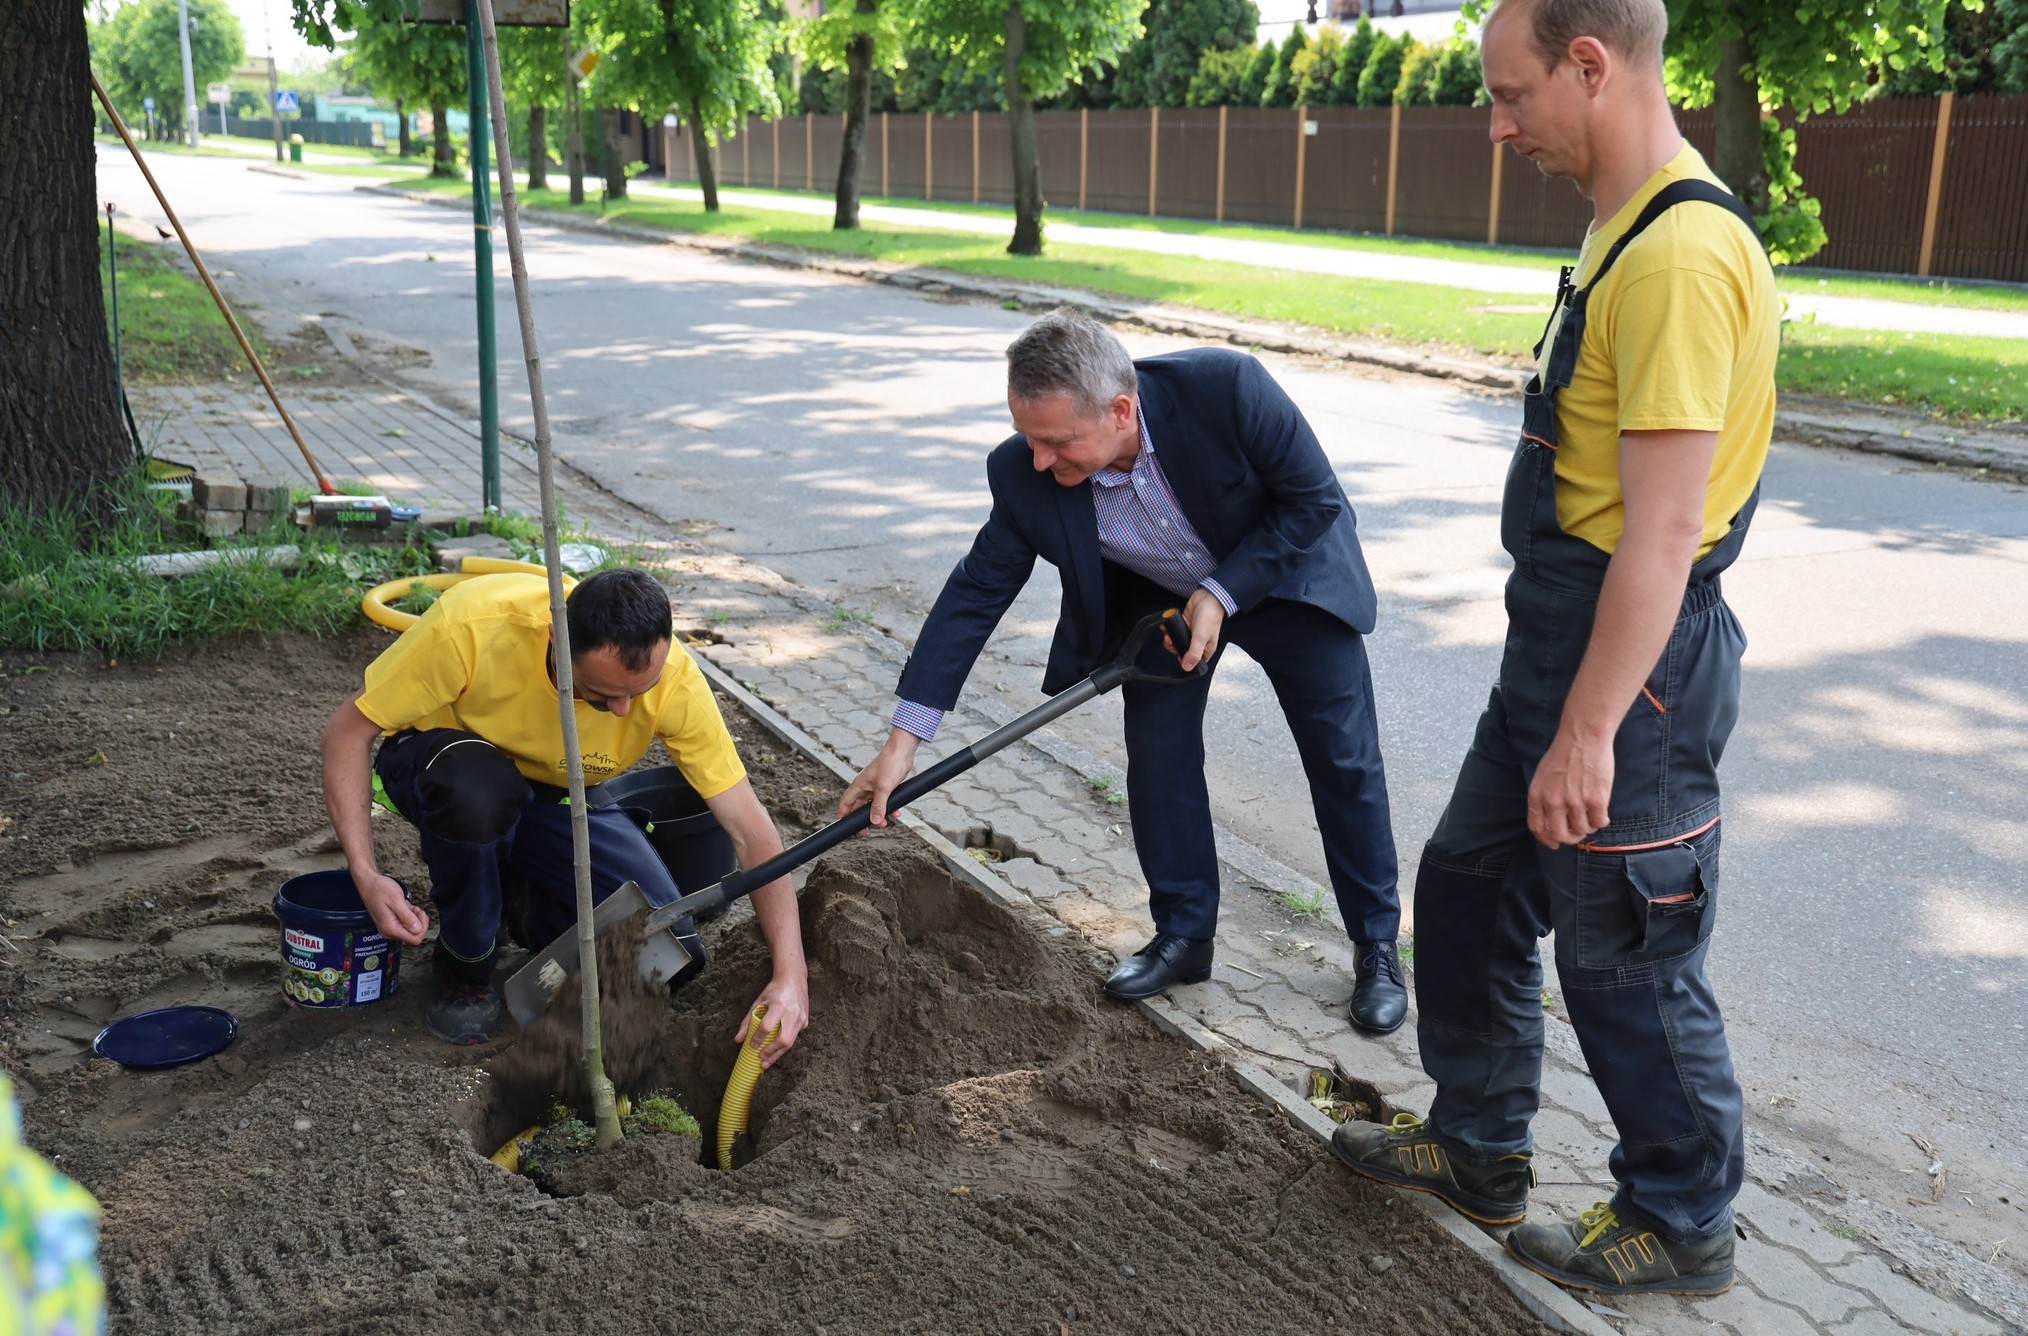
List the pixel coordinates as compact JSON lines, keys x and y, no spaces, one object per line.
{"x":508,"y":1157}
{"x":737,"y":1107}
{"x":375,"y":604}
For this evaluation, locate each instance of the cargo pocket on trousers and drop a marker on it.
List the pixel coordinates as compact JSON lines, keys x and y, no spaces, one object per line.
{"x":1655,"y":904}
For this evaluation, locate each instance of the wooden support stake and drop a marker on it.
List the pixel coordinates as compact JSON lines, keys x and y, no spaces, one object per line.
{"x":1083,"y":152}
{"x":975,"y":157}
{"x":1154,"y":154}
{"x":883,"y":153}
{"x":1493,"y":208}
{"x":1302,"y":156}
{"x":1393,"y":163}
{"x":1936,"y":175}
{"x":1218,"y":212}
{"x":929,"y":127}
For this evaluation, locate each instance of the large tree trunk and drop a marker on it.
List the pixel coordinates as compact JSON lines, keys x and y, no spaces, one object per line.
{"x":573,"y":140}
{"x":1741,"y":160}
{"x":62,"y":441}
{"x":443,"y":158}
{"x":858,"y":111}
{"x":404,"y":145}
{"x":609,"y":153}
{"x":1021,"y":125}
{"x":538,"y":148}
{"x":707,"y":177}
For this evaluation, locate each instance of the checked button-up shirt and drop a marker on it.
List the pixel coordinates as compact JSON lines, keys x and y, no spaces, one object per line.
{"x":1141,"y":527}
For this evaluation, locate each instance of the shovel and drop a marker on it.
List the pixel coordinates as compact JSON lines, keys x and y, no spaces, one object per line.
{"x":672,"y":953}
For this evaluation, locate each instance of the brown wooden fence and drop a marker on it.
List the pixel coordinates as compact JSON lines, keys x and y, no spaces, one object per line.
{"x":1908,"y":185}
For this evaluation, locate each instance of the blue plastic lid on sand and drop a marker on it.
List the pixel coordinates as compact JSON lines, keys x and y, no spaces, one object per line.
{"x":167,"y":1037}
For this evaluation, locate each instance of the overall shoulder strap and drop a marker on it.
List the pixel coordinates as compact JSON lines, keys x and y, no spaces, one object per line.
{"x":1667,"y":198}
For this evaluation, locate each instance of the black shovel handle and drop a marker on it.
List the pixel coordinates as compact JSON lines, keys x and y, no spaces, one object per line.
{"x":1120,"y":669}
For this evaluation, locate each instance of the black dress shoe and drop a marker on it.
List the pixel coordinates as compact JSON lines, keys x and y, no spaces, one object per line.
{"x":1168,"y":959}
{"x":1379,"y":997}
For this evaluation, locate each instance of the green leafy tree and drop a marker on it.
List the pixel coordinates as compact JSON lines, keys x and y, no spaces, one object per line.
{"x":706,"y":58}
{"x":1316,"y":66}
{"x":416,"y":65}
{"x":946,"y":84}
{"x":1382,"y":74}
{"x":1218,"y":78}
{"x":1984,"y":51}
{"x":137,"y":54}
{"x":1740,"y":57}
{"x":861,"y":38}
{"x":533,"y":76}
{"x":1157,"y":71}
{"x":1280,"y":89}
{"x":1254,"y":86}
{"x":1039,"y":46}
{"x":1441,"y":76}
{"x":1344,"y":90}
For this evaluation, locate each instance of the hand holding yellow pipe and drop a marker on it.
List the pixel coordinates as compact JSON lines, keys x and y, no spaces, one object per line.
{"x":736,"y":1110}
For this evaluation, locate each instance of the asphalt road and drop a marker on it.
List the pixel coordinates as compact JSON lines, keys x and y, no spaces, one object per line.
{"x":1873,"y":950}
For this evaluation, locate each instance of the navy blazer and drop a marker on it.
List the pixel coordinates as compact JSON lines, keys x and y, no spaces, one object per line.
{"x":1250,"y":477}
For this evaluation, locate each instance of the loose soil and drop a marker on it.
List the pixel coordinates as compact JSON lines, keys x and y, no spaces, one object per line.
{"x":967,"y":1139}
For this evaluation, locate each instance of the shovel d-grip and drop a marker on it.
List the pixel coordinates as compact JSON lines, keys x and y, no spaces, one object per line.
{"x":528,"y":989}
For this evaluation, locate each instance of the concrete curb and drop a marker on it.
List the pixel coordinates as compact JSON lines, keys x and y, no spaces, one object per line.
{"x":1547,"y":1302}
{"x":1986,"y":450}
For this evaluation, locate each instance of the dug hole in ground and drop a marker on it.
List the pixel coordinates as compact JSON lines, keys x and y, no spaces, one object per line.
{"x":968,"y":1138}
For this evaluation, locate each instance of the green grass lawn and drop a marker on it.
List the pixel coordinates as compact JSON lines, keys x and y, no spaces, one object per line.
{"x":1959,"y":377}
{"x":170,"y":331}
{"x":1794,"y":280}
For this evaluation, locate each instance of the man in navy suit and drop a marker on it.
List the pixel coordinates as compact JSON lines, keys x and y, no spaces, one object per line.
{"x":1189,"y":476}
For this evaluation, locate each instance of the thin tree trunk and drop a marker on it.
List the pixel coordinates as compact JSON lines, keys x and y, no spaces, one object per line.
{"x":1021,"y":124}
{"x":609,"y":153}
{"x":443,"y":157}
{"x":62,"y":441}
{"x":858,"y":111}
{"x":1741,"y":160}
{"x":707,"y":177}
{"x":538,"y":148}
{"x":404,"y":144}
{"x":573,"y":139}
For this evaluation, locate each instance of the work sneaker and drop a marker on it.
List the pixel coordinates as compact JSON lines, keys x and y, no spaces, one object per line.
{"x":1407,"y":1154}
{"x":464,"y":1011}
{"x":1602,"y":1253}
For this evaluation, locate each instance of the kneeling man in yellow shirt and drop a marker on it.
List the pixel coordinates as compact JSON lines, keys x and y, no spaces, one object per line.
{"x":471,"y":754}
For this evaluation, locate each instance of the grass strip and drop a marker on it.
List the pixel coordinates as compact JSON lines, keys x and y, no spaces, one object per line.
{"x":170,"y":330}
{"x":67,"y":586}
{"x":1956,"y":376}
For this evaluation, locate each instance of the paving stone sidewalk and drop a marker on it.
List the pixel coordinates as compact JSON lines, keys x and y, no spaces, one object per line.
{"x":1814,"y":1260}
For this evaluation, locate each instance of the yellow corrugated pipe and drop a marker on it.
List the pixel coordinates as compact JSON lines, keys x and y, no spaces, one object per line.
{"x":375,"y":604}
{"x":737,"y":1107}
{"x":508,"y":1157}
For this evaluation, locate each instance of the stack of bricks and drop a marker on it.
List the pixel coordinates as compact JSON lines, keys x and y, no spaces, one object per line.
{"x":220,"y":507}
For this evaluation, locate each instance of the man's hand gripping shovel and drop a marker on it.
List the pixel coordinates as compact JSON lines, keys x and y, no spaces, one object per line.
{"x":673,"y":953}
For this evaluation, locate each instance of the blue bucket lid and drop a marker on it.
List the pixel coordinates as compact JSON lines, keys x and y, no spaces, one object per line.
{"x":323,"y":900}
{"x":167,"y":1037}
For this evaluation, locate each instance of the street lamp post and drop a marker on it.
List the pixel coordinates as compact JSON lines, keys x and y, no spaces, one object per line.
{"x":189,"y":79}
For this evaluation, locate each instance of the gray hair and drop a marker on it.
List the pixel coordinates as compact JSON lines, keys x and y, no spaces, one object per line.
{"x":1068,"y":353}
{"x":1631,"y":29}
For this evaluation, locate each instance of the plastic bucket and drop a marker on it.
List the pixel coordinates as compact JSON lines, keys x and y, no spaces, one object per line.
{"x":332,"y":955}
{"x":687,"y":838}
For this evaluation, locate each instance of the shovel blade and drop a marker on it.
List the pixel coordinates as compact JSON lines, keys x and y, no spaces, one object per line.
{"x":664,"y":956}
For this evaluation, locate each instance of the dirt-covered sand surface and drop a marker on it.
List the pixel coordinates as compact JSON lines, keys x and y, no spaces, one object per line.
{"x":967,"y":1139}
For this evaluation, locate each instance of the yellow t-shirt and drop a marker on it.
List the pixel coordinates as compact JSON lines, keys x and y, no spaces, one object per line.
{"x":478,"y":660}
{"x":1680,"y":334}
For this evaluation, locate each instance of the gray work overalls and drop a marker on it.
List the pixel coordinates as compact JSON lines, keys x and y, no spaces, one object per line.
{"x":1629,"y":948}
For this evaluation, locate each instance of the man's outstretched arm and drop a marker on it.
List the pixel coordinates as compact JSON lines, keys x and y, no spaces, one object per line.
{"x":348,"y":796}
{"x":787,"y":996}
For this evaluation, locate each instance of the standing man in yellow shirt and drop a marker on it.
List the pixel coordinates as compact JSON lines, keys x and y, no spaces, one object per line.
{"x":1588,"y":804}
{"x":472,"y":755}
